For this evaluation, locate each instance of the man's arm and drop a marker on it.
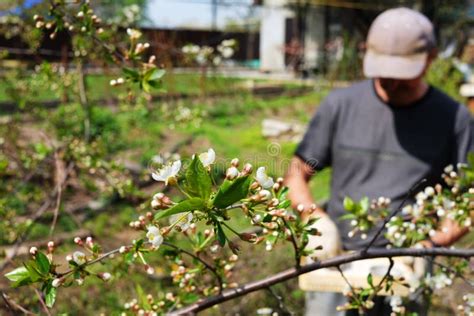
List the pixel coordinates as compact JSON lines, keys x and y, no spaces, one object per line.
{"x":297,"y":178}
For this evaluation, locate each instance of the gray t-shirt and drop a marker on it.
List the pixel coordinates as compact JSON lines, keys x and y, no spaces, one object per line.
{"x":376,"y":149}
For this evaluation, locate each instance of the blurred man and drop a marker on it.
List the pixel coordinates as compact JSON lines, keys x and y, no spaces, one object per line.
{"x":383,"y":135}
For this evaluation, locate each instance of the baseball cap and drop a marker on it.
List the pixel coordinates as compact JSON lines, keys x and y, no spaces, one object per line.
{"x":398,"y":44}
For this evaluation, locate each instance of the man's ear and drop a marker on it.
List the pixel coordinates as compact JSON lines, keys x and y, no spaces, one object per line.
{"x":432,"y":55}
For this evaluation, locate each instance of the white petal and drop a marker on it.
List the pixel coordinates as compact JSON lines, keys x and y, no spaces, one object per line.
{"x":175,"y":167}
{"x":157,"y":177}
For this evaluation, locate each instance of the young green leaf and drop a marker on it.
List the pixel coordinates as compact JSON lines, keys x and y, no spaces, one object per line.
{"x":142,"y":298}
{"x":348,"y":204}
{"x":131,"y":74}
{"x":220,"y":234}
{"x":184,"y":206}
{"x":18,"y":274}
{"x":198,"y":180}
{"x":50,"y":295}
{"x":43,"y":263}
{"x":232,"y":191}
{"x":370,"y":280}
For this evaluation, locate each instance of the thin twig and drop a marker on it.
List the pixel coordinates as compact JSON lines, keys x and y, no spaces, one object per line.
{"x":61,"y":177}
{"x":11,"y":304}
{"x":43,"y":304}
{"x":345,"y":278}
{"x":395,"y":212}
{"x":281,"y":302}
{"x":207,"y":265}
{"x":294,"y":243}
{"x":459,"y":275}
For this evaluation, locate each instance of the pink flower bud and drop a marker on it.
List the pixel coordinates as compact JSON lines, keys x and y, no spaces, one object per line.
{"x":247,"y":169}
{"x":232,"y":173}
{"x":33,"y":251}
{"x":235,"y":162}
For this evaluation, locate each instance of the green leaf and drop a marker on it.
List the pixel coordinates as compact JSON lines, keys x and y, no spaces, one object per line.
{"x":283,"y":193}
{"x":184,"y":206}
{"x":232,"y":191}
{"x":284,"y":204}
{"x":348,"y":204}
{"x":32,"y":268}
{"x":364,"y":205}
{"x":131,"y":73}
{"x":190,"y":298}
{"x":50,"y":295}
{"x":370,"y":280}
{"x":18,"y":274}
{"x":43,"y":263}
{"x":142,"y":298}
{"x":154,"y":74}
{"x":220,"y":234}
{"x":198,"y":180}
{"x":347,"y":216}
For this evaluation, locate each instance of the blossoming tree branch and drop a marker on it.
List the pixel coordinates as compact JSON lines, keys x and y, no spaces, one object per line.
{"x":203,"y":216}
{"x":201,"y":213}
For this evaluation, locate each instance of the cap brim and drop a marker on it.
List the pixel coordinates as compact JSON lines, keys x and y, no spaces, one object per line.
{"x":397,"y":67}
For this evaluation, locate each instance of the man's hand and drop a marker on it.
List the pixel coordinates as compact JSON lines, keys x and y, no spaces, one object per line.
{"x":449,"y":233}
{"x":297,"y":178}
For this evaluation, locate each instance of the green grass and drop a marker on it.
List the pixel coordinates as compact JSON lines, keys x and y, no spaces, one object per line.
{"x":98,"y":87}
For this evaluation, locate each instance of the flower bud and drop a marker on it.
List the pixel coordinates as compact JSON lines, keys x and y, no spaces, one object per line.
{"x":78,"y":241}
{"x":57,"y":282}
{"x":80,"y":14}
{"x":39,"y":24}
{"x":113,"y":82}
{"x":276,"y":187}
{"x":233,"y":258}
{"x":300,"y":208}
{"x":152,"y":59}
{"x":105,"y":276}
{"x":429,"y":191}
{"x":235,"y":162}
{"x":123,"y":249}
{"x":232,"y":173}
{"x":149,"y":269}
{"x":264,"y":195}
{"x":89,"y":242}
{"x":247,"y":169}
{"x":50,"y":246}
{"x":248,"y":237}
{"x":273,"y":202}
{"x":33,"y":251}
{"x":120,"y":80}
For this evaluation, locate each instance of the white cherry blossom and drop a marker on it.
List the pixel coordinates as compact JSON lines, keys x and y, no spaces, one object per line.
{"x":79,"y":257}
{"x":154,"y":236}
{"x":263,"y":179}
{"x":168,"y":173}
{"x":208,"y":158}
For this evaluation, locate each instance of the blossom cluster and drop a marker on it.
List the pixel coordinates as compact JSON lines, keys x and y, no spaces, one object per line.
{"x":207,"y":55}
